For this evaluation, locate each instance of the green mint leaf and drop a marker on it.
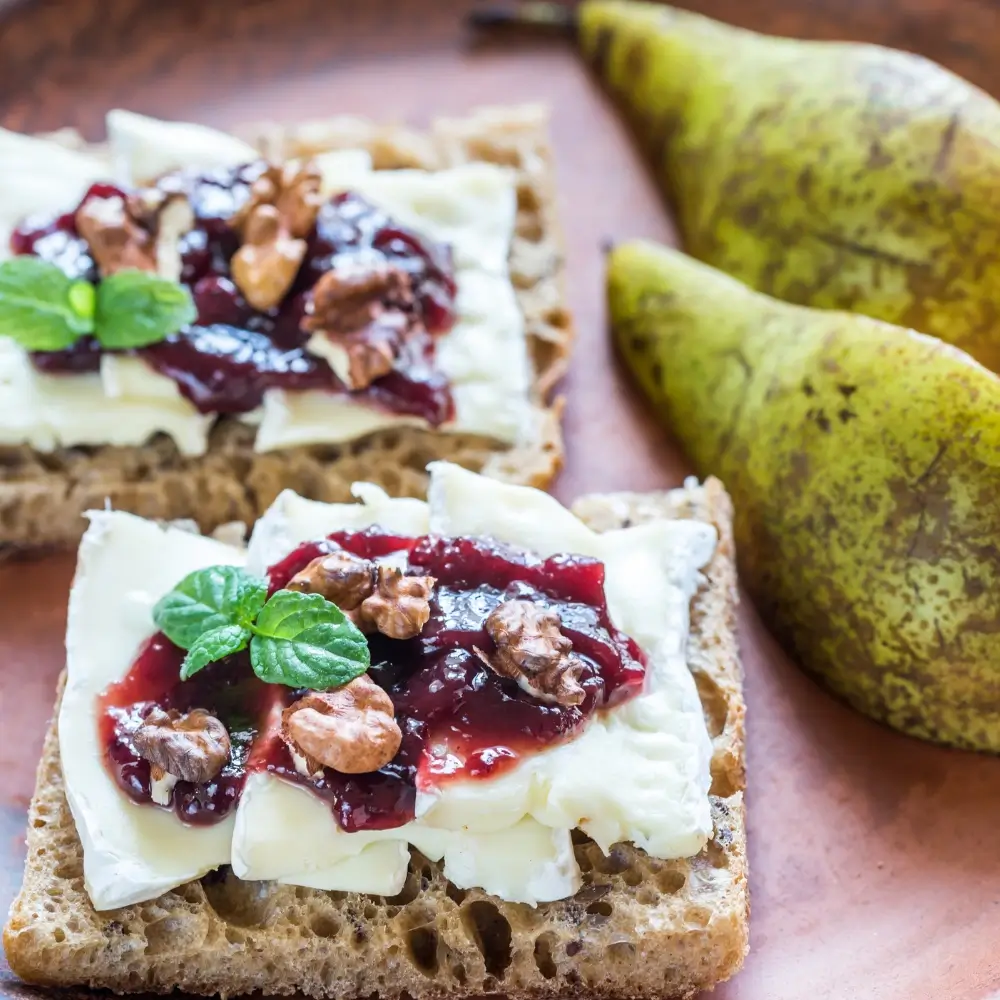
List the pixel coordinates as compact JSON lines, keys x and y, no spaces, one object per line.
{"x":40,"y":307}
{"x":212,"y":646}
{"x":206,"y":600}
{"x":302,"y":640}
{"x":250,"y":599}
{"x":136,"y":308}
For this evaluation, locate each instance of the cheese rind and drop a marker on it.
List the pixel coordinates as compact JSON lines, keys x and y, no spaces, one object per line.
{"x":471,"y":207}
{"x":292,"y":519}
{"x":130,"y":852}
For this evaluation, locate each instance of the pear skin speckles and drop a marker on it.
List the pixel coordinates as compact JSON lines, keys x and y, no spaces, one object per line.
{"x":840,"y":176}
{"x":863,"y":460}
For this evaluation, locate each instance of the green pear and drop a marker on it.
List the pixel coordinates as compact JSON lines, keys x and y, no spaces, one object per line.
{"x":836,"y":175}
{"x":864,"y":464}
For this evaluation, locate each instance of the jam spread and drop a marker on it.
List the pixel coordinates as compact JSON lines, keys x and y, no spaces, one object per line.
{"x":226,"y":361}
{"x":229,"y":689}
{"x":457,"y":716}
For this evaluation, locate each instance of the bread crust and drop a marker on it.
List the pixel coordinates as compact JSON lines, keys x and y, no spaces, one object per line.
{"x":639,"y":927}
{"x":43,"y":495}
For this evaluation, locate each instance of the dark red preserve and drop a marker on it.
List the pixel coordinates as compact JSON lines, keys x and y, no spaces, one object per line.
{"x":226,"y":361}
{"x":458,"y":717}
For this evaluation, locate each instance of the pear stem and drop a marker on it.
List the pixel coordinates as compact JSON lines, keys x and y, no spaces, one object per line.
{"x":524,"y":15}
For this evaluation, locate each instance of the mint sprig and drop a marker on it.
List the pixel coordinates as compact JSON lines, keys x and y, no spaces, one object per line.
{"x":41,"y":308}
{"x":45,"y":310}
{"x":303,"y":640}
{"x":299,"y":640}
{"x":209,"y":599}
{"x":136,"y":308}
{"x":212,"y":646}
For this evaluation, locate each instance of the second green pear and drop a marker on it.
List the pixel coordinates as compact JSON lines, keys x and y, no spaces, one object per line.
{"x":863,"y":460}
{"x":829,"y":174}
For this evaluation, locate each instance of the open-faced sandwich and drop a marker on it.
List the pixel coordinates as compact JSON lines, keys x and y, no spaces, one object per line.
{"x":474,"y":745}
{"x":190,"y":321}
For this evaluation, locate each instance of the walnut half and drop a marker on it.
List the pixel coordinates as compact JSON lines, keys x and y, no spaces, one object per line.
{"x":531,"y":650}
{"x":376,"y":597}
{"x":351,"y":729}
{"x":115,"y":239}
{"x":400,"y":606}
{"x":265,"y":266}
{"x":359,"y":314}
{"x":355,"y":292}
{"x":341,"y":577}
{"x":193,"y":746}
{"x":279,"y":214}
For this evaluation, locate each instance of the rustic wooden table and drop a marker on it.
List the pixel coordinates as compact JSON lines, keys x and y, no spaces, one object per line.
{"x":873,"y":857}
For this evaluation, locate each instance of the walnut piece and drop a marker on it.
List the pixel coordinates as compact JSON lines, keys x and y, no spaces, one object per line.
{"x":351,"y":729}
{"x":166,"y":216}
{"x":341,"y":577}
{"x":299,"y":199}
{"x":366,"y":361}
{"x":531,"y":649}
{"x":354,"y":293}
{"x":278,"y":215}
{"x":193,"y":746}
{"x":359,"y":314}
{"x":400,"y":606}
{"x":360,"y":357}
{"x":115,"y":239}
{"x":265,"y":266}
{"x":293,"y":189}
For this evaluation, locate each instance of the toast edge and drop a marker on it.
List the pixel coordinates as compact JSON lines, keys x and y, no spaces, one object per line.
{"x":708,"y":949}
{"x":41,"y":500}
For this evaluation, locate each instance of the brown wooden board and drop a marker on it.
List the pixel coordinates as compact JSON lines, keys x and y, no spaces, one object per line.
{"x":874,"y":858}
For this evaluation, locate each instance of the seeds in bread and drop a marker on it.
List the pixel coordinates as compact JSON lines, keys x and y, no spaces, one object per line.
{"x":43,"y":496}
{"x":639,"y":927}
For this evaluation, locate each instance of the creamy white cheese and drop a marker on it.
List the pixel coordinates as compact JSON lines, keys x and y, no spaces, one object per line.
{"x":125,"y":403}
{"x":40,"y":176}
{"x":484,"y":356}
{"x":145,"y":148}
{"x":639,"y":773}
{"x":130,"y":852}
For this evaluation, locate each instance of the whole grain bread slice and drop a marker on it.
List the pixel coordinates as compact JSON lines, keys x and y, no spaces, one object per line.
{"x":639,"y":927}
{"x":42,"y":496}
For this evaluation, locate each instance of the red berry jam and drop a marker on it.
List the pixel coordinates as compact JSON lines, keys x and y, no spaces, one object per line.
{"x":228,"y":359}
{"x":228,"y":689}
{"x":458,"y":717}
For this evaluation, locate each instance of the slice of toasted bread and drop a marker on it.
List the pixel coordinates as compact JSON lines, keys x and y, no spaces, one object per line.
{"x":639,"y":927}
{"x":42,"y":496}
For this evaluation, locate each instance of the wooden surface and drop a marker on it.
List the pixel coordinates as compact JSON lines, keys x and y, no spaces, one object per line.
{"x":873,"y":857}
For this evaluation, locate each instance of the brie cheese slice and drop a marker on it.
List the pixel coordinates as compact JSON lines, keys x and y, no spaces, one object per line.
{"x":41,"y":176}
{"x":131,"y":852}
{"x":472,"y":207}
{"x":144,"y":149}
{"x":639,"y":772}
{"x":127,"y":403}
